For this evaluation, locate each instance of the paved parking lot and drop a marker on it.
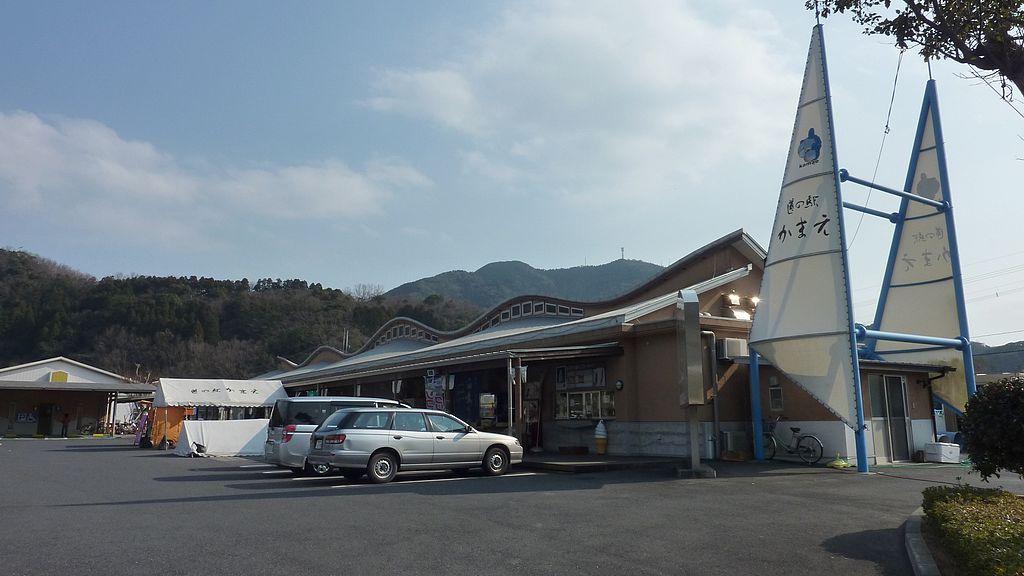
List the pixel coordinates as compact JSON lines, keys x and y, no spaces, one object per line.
{"x":100,"y":506}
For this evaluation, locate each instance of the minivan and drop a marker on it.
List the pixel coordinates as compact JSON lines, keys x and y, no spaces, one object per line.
{"x":293,"y":419}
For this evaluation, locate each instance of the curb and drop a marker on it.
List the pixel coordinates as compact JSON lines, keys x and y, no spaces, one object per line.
{"x":917,"y":549}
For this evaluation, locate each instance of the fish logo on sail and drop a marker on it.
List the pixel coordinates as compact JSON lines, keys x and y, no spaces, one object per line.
{"x":809,"y":148}
{"x":928,"y":187}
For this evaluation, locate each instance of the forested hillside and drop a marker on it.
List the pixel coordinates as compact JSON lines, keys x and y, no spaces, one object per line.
{"x":998,"y":359}
{"x":498,"y":281}
{"x":148,"y":327}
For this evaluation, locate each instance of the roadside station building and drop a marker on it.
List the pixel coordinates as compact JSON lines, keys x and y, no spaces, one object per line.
{"x":647,"y":362}
{"x":34,"y":397}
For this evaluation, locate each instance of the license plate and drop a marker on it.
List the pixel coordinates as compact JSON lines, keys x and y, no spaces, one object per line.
{"x":319,"y":444}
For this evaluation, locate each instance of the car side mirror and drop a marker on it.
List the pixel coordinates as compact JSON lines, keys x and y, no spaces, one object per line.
{"x":468,"y":429}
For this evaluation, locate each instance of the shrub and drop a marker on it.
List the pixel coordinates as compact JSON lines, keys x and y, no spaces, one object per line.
{"x":982,"y":529}
{"x":993,"y":428}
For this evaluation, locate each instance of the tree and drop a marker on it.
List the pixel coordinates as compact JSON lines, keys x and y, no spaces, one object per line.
{"x":985,"y":34}
{"x":365,"y":292}
{"x":993,"y":427}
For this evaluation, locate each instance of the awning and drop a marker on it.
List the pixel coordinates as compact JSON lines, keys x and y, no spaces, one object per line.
{"x":238,"y":393}
{"x":43,"y":385}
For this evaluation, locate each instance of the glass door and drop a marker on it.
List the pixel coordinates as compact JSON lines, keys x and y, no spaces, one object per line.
{"x":890,"y":421}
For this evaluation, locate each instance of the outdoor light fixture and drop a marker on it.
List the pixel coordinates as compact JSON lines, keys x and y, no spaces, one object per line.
{"x":733,"y":299}
{"x":754,"y":300}
{"x":741,"y":314}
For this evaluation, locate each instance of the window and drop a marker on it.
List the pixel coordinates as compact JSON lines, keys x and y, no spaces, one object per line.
{"x":309,"y":413}
{"x":592,"y":404}
{"x":370,"y":421}
{"x":774,"y":394}
{"x":410,"y":422}
{"x":443,"y":423}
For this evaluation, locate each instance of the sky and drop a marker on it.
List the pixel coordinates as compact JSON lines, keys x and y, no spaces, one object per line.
{"x":378,"y":143}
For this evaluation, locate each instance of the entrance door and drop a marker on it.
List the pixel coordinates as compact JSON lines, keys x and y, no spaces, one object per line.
{"x":45,"y":426}
{"x":890,"y":422}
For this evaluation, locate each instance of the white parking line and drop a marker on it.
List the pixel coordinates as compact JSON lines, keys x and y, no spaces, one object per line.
{"x":277,"y":472}
{"x":455,"y":479}
{"x":257,"y":466}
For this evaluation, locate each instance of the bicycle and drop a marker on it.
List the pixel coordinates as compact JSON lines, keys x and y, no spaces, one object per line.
{"x":806,"y":446}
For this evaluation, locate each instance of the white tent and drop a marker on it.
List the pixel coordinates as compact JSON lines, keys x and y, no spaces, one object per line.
{"x":227,"y":393}
{"x":220,"y":437}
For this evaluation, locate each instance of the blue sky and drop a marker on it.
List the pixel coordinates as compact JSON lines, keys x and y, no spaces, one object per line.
{"x":355,"y":143}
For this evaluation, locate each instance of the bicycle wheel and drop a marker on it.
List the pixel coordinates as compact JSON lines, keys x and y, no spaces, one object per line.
{"x":769,"y":446}
{"x":810,"y":449}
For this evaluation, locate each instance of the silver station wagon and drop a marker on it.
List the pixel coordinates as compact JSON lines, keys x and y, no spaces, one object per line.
{"x":292,"y":420}
{"x":379,"y":442}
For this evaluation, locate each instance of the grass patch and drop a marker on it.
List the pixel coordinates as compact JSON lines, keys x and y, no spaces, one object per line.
{"x":982,"y":529}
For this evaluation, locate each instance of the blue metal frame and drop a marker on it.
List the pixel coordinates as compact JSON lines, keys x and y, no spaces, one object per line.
{"x":755,"y":404}
{"x":863,"y":333}
{"x":844,"y":175}
{"x":860,"y":432}
{"x":890,"y":216}
{"x":932,"y":99}
{"x":963,"y":342}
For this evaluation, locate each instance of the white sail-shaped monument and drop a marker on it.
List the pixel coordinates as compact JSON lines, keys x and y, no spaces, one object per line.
{"x":922,"y":291}
{"x":803,"y":323}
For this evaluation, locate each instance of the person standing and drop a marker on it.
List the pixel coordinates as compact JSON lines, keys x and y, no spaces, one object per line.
{"x":64,"y":420}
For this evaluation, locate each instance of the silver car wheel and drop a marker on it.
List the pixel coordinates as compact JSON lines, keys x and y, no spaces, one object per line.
{"x":382,"y":468}
{"x":495,"y":463}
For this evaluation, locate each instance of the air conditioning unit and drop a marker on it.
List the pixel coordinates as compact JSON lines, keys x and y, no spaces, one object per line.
{"x":732,"y":348}
{"x":734,"y":441}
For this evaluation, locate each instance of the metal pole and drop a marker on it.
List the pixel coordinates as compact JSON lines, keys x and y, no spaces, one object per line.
{"x":509,"y":378}
{"x":940,"y":206}
{"x":694,"y":419}
{"x":755,"y":404}
{"x":863,"y":333}
{"x":712,"y":371}
{"x":520,"y":421}
{"x":890,"y":216}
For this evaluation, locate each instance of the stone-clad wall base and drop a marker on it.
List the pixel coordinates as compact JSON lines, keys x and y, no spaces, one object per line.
{"x":624,"y":438}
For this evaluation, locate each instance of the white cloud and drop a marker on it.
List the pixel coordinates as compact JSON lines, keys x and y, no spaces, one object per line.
{"x":85,"y":171}
{"x":604,"y":98}
{"x":43,"y":161}
{"x":441,"y":94}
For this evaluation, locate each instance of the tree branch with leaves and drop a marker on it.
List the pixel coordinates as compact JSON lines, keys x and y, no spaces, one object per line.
{"x":987,"y":35}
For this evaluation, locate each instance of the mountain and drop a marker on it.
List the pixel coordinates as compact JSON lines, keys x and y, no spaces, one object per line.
{"x":1008,"y":358}
{"x":188,"y":327}
{"x":499,"y":281}
{"x":148,"y":326}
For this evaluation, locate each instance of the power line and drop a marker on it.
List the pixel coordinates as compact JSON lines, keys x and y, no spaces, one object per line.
{"x":999,"y":333}
{"x":881,"y":147}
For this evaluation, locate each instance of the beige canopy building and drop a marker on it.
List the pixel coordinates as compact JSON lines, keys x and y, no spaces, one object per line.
{"x":34,"y":397}
{"x":665,"y":366}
